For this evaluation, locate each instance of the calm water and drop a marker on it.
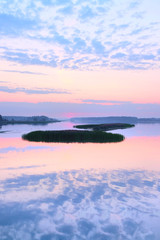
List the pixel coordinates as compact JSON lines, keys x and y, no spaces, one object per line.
{"x":54,"y":191}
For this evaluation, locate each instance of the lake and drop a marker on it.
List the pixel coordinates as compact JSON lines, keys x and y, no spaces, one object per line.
{"x":93,"y":191}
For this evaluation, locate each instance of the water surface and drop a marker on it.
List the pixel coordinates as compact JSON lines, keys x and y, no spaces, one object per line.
{"x":53,"y":191}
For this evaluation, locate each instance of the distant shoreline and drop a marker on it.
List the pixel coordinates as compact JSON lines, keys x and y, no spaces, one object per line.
{"x":34,"y":120}
{"x":29,"y":122}
{"x":42,"y":120}
{"x":114,"y":119}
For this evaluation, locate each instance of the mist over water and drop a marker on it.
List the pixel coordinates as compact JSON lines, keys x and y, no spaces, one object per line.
{"x":54,"y":191}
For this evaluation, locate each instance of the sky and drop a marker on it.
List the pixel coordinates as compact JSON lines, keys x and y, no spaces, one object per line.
{"x":68,"y":58}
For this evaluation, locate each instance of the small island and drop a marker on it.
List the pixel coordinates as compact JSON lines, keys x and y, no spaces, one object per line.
{"x":73,"y":136}
{"x":97,"y":135}
{"x":105,"y":127}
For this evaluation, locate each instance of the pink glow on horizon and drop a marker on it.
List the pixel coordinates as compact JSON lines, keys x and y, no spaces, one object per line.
{"x":133,"y":86}
{"x":133,"y":153}
{"x":36,"y":98}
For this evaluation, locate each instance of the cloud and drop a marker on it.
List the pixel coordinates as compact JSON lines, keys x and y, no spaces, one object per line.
{"x":29,"y":58}
{"x":32,"y":91}
{"x":116,"y":27}
{"x":104,"y":101}
{"x":51,"y":31}
{"x":137,"y":31}
{"x":25,"y":149}
{"x":3,"y":82}
{"x":118,"y":55}
{"x":23,"y":72}
{"x":137,"y":57}
{"x":23,"y":167}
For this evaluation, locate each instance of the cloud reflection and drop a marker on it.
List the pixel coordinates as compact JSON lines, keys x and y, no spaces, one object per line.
{"x":81,"y":204}
{"x":25,"y":149}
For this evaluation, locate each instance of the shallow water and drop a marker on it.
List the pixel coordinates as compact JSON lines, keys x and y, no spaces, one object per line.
{"x":54,"y":191}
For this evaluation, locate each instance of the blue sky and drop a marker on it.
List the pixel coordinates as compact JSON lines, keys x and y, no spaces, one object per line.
{"x":113,"y":34}
{"x":46,"y":45}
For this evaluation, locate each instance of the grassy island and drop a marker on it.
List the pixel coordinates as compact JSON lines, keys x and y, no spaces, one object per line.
{"x":105,"y":127}
{"x":70,"y":136}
